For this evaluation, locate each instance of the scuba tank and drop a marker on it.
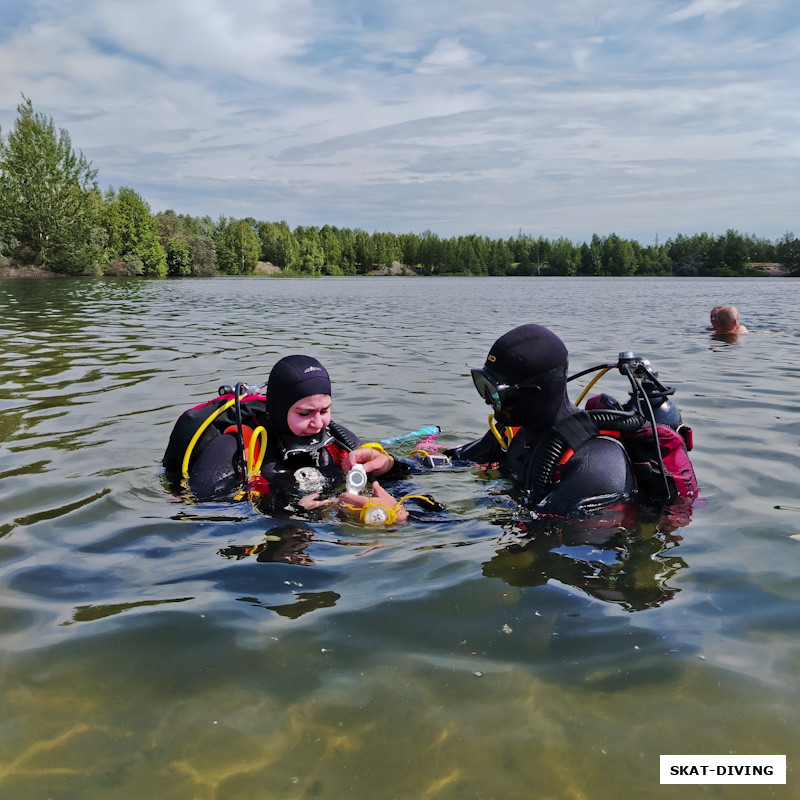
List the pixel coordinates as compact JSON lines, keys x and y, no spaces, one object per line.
{"x":665,"y":410}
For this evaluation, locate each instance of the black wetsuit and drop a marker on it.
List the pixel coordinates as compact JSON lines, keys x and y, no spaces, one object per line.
{"x":292,"y":468}
{"x":312,"y":464}
{"x":598,"y":474}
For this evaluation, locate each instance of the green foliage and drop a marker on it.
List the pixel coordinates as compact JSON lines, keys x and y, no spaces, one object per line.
{"x":654,"y":261}
{"x":501,"y":258}
{"x":48,"y":200}
{"x":564,"y":258}
{"x":132,"y":233}
{"x":365,"y":252}
{"x":310,"y":258}
{"x":591,"y":257}
{"x":618,"y":256}
{"x":788,"y":253}
{"x":179,"y":257}
{"x":52,"y":214}
{"x":189,"y":248}
{"x":278,"y":246}
{"x":238,"y":247}
{"x":728,"y":254}
{"x":702,"y":254}
{"x":761,"y":250}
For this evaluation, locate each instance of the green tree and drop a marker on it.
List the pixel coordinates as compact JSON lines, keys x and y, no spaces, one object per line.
{"x":728,"y":254}
{"x":760,"y":249}
{"x":332,"y":250}
{"x":787,"y":251}
{"x":188,"y":245}
{"x":278,"y":244}
{"x":347,"y":241}
{"x":409,"y":249}
{"x":501,"y":258}
{"x":48,"y":196}
{"x":179,"y":257}
{"x":564,"y":258}
{"x":174,"y":238}
{"x":592,"y":257}
{"x":521,"y":249}
{"x":204,"y":256}
{"x":132,"y":235}
{"x":431,"y":252}
{"x":310,"y":256}
{"x":618,"y":256}
{"x":238,"y":247}
{"x":689,"y":254}
{"x":364,"y":252}
{"x":545,"y":248}
{"x":653,"y":260}
{"x":387,"y":249}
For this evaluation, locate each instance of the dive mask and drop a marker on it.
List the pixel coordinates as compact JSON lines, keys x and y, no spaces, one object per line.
{"x":493,"y":391}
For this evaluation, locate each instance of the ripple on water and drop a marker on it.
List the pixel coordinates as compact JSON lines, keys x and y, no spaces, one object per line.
{"x":156,"y":648}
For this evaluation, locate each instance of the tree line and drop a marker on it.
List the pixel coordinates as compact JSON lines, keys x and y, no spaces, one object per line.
{"x":53,"y":215}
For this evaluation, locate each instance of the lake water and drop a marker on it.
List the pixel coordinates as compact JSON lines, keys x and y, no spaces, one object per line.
{"x":145,"y":651}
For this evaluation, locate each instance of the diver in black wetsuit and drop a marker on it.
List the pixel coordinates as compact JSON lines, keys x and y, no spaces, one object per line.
{"x":305,"y":451}
{"x":524,"y":379}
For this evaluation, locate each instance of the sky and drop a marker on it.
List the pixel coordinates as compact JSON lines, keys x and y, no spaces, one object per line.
{"x":644,"y":118}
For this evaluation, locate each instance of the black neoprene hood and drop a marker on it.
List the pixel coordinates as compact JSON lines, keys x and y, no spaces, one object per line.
{"x":525,"y":352}
{"x":292,"y":379}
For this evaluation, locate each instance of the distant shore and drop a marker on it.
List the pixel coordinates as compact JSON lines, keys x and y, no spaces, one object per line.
{"x":28,"y":271}
{"x":264,"y":268}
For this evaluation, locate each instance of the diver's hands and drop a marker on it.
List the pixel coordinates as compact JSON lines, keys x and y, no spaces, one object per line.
{"x":353,"y":503}
{"x":312,"y":501}
{"x":374,"y":461}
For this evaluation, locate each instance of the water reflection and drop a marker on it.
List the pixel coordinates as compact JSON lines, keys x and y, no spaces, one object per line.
{"x":634,"y":575}
{"x":285,"y":544}
{"x":726,"y":338}
{"x":628,"y":565}
{"x":95,"y":612}
{"x":486,"y":655}
{"x":303,"y":603}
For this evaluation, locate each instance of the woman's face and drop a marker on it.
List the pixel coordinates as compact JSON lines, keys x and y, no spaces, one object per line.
{"x":308,"y":416}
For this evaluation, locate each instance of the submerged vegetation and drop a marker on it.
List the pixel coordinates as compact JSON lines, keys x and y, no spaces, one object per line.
{"x":53,"y":216}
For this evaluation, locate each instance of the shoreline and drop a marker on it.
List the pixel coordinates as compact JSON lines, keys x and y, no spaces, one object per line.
{"x":267,"y":270}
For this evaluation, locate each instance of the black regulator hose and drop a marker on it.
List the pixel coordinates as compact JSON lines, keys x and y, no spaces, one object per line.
{"x":626,"y":367}
{"x":613,"y":420}
{"x":549,"y":453}
{"x":543,"y":465}
{"x":343,"y":436}
{"x":240,"y":431}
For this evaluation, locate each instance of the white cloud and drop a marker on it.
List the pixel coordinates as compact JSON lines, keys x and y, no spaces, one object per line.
{"x":459,"y":117}
{"x":710,"y":9}
{"x":449,"y":54}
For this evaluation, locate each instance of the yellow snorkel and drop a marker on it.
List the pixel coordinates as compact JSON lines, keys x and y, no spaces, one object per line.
{"x":503,"y":439}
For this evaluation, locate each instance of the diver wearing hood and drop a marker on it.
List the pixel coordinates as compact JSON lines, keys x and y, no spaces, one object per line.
{"x":304,"y":450}
{"x":524,"y":379}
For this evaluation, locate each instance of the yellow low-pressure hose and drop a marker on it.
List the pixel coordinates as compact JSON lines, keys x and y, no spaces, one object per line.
{"x":253,"y":463}
{"x":504,"y":441}
{"x":591,"y":383}
{"x":198,"y":433}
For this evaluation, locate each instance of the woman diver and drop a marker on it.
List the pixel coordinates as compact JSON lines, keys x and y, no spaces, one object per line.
{"x":296,"y":455}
